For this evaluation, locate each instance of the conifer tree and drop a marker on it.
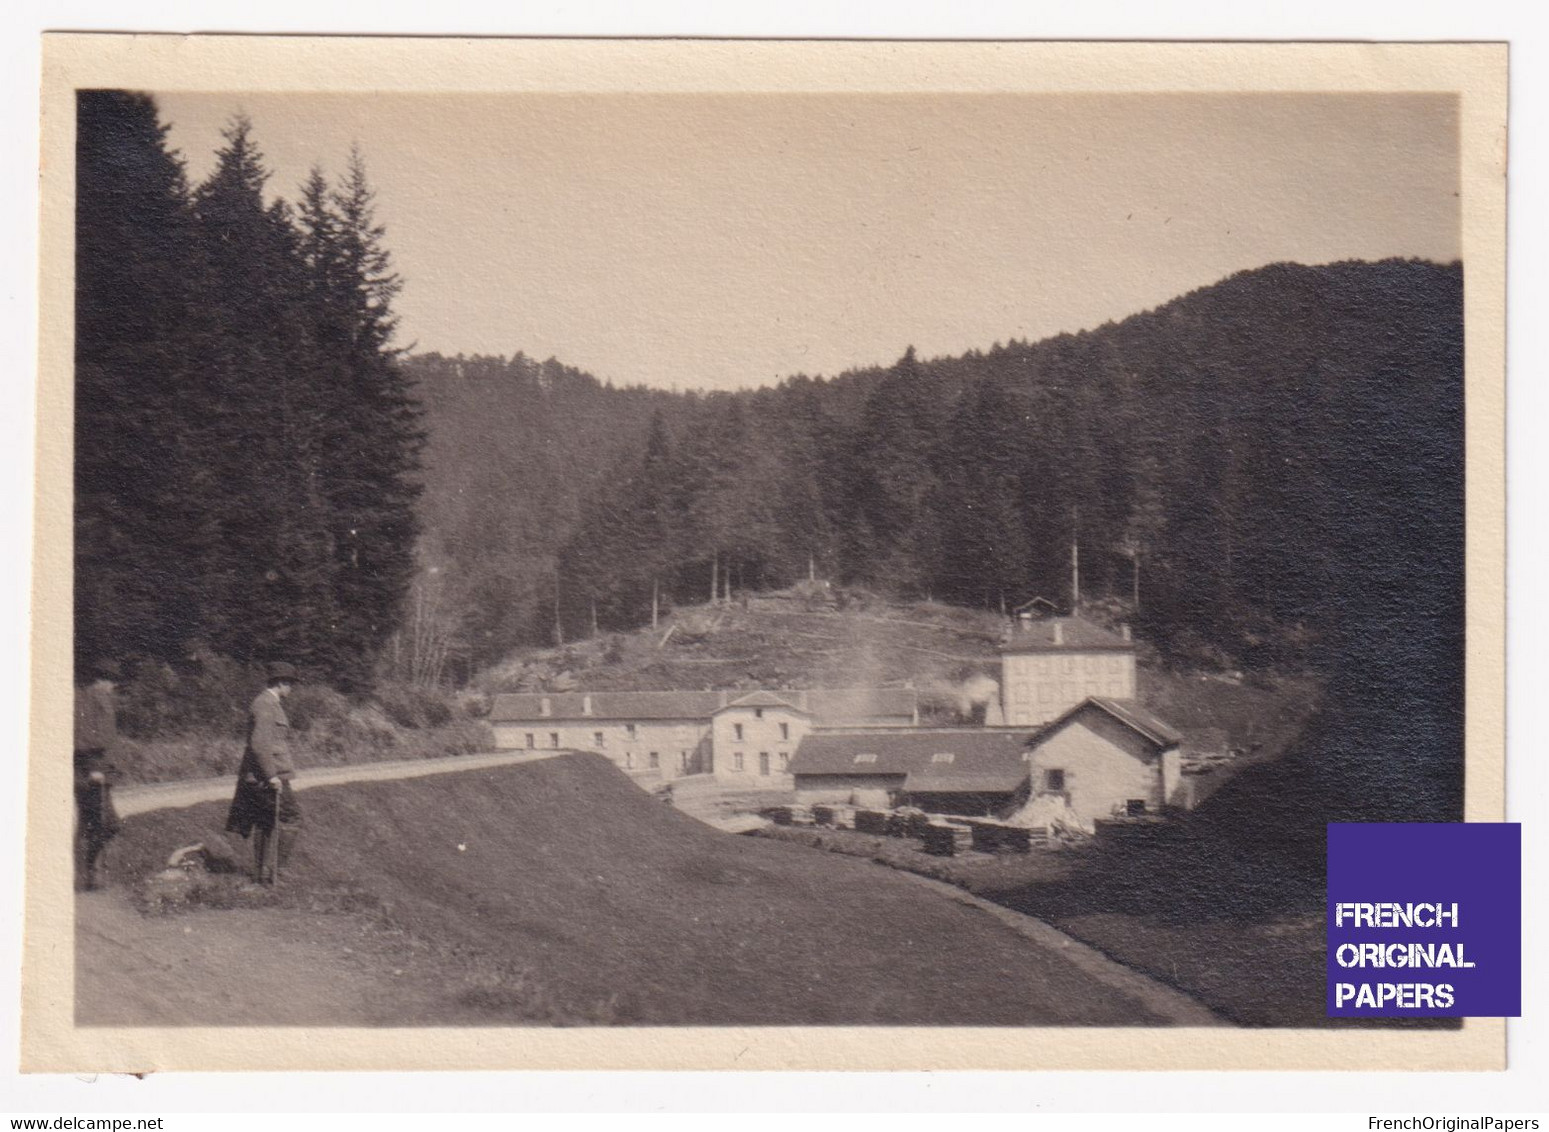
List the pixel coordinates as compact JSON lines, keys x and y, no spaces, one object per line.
{"x":269,"y":572}
{"x":371,"y":454}
{"x":138,"y":488}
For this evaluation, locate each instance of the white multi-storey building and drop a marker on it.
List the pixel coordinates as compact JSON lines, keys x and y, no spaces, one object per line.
{"x":1050,"y":666}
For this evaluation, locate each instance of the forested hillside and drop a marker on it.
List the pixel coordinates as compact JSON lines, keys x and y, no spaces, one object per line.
{"x":1248,"y":464}
{"x":246,"y":444}
{"x":1265,"y":471}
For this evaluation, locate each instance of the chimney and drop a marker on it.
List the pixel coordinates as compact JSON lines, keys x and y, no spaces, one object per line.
{"x":722,"y":700}
{"x":1124,"y":631}
{"x":586,"y":705}
{"x":544,"y":707}
{"x":1059,"y":632}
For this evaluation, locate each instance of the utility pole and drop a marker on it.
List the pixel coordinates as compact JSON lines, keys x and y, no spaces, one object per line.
{"x":1075,"y":560}
{"x":559,"y":628}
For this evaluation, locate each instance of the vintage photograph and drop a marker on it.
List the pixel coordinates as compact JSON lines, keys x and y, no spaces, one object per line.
{"x":601,"y":559}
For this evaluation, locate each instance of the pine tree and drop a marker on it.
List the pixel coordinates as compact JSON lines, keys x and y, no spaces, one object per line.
{"x":372,"y":457}
{"x":138,"y":492}
{"x":895,"y":483}
{"x":270,"y":571}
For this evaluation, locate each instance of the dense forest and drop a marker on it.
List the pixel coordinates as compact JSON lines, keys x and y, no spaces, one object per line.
{"x":1266,"y":471}
{"x":1238,"y":470}
{"x":247,"y":445}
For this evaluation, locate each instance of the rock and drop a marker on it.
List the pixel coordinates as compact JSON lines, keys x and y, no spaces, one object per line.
{"x":220,"y":856}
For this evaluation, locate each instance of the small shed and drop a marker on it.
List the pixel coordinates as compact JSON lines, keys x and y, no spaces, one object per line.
{"x":1103,"y":758}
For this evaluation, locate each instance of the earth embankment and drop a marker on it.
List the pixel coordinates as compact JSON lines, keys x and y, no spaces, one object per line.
{"x":557,"y":892}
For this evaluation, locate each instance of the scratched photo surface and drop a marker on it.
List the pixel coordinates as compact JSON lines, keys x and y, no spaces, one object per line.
{"x":609,"y":560}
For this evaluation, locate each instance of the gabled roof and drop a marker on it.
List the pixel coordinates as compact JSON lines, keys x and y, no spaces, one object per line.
{"x":834,"y":707}
{"x":1128,"y":712}
{"x":983,"y":759}
{"x":763,"y":700}
{"x":1057,"y":634}
{"x":1040,"y":603}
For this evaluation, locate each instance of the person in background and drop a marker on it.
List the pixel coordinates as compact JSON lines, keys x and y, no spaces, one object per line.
{"x":96,"y":745}
{"x":265,"y":807}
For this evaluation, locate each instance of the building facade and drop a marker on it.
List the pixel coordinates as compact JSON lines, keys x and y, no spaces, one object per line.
{"x":1102,"y":759}
{"x":740,"y":737}
{"x":1050,"y":666}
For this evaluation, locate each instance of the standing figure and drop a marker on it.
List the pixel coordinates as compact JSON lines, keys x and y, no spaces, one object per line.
{"x":96,"y":742}
{"x":265,"y":805}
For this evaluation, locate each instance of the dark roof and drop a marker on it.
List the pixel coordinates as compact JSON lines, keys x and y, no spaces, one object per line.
{"x":983,"y":759}
{"x":831,"y":706}
{"x":1073,"y":633}
{"x":1128,"y":712}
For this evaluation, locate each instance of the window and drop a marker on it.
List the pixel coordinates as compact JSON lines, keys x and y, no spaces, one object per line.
{"x":1135,"y":807}
{"x":553,"y":738}
{"x":736,"y":760}
{"x":785,"y":759}
{"x":683,"y":761}
{"x":758,"y":713}
{"x":532,"y":740}
{"x":763,"y":762}
{"x":629,"y":760}
{"x":942,"y":757}
{"x":656,"y":761}
{"x":629,"y":732}
{"x":859,"y":759}
{"x":1054,"y":780}
{"x":785,"y":731}
{"x":736,"y":729}
{"x":599,"y":740}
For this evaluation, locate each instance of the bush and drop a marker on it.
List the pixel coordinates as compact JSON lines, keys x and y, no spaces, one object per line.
{"x":206,"y":693}
{"x":310,"y":705}
{"x":409,"y":705}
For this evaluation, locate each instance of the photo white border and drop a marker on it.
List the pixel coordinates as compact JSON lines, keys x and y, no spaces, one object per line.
{"x":1473,"y":417}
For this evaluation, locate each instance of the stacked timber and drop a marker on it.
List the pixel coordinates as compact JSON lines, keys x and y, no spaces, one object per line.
{"x":942,"y":839}
{"x":871,"y":821}
{"x":998,"y":837}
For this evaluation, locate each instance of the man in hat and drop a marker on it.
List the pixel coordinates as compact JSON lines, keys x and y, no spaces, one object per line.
{"x":96,"y":741}
{"x":264,"y":792}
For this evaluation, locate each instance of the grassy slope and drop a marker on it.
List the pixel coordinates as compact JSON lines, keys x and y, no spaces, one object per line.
{"x":561,"y":875}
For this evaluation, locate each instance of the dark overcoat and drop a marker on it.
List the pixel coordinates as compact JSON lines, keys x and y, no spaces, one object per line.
{"x":267,"y":756}
{"x":96,"y":742}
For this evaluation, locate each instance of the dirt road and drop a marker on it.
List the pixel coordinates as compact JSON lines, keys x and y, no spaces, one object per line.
{"x":132,"y":800}
{"x":251,"y":967}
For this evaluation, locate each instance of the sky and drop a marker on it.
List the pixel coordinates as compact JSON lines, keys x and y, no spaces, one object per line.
{"x":725,"y":241}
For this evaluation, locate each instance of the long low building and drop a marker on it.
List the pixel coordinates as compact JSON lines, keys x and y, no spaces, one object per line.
{"x":740,"y":737}
{"x":1101,"y":758}
{"x":953,"y":770}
